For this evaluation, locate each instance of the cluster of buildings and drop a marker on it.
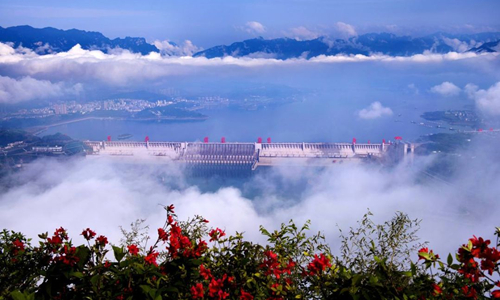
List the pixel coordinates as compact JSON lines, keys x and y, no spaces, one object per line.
{"x":72,"y":107}
{"x":463,"y":115}
{"x":131,"y":105}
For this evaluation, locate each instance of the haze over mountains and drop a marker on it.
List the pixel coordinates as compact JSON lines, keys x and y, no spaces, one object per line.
{"x":52,"y":40}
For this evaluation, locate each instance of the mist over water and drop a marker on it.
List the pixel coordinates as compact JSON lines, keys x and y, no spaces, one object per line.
{"x":103,"y":194}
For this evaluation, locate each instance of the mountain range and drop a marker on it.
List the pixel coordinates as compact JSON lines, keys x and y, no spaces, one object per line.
{"x":52,"y":40}
{"x":382,"y":43}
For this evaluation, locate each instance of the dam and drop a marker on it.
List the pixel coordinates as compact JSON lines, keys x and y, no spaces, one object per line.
{"x":244,"y":155}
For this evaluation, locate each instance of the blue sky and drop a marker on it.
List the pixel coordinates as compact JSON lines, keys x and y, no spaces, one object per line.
{"x":211,"y":22}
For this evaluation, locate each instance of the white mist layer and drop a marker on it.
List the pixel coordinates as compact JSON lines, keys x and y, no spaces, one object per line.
{"x":101,"y":195}
{"x":123,"y":68}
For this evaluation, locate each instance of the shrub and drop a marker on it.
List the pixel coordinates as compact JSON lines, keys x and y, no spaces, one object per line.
{"x":189,"y":260}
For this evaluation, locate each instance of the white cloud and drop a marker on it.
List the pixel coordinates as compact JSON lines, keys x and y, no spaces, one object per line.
{"x":302,"y":33}
{"x":345,"y":30}
{"x":254,"y":27}
{"x":124,"y":67}
{"x":488,"y":101}
{"x":374,"y":111}
{"x":187,"y":48}
{"x":27,"y":88}
{"x":446,"y":89}
{"x":458,"y":45}
{"x":6,"y":49}
{"x":470,"y":89}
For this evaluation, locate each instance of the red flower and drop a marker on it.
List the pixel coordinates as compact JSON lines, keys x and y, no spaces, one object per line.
{"x":67,"y":256}
{"x":61,"y":232}
{"x":55,"y":240}
{"x":245,"y":295}
{"x":132,"y":249}
{"x":495,"y":294}
{"x":479,"y":246}
{"x":180,"y":244}
{"x":101,"y":240}
{"x":469,"y":292}
{"x":107,"y":264}
{"x":431,"y":256}
{"x":487,"y":265}
{"x":271,"y":264}
{"x":162,"y":234}
{"x":170,"y":208}
{"x":205,"y":273}
{"x":423,"y":250}
{"x":201,"y":248}
{"x":318,"y":264}
{"x":215,"y":288}
{"x":18,"y":246}
{"x":197,"y":291}
{"x":216,"y":234}
{"x":437,"y":289}
{"x":88,"y":234}
{"x":151,"y":258}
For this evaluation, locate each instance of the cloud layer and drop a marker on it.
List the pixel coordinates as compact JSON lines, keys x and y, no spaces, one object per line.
{"x":374,"y":111}
{"x":488,"y":101}
{"x":345,"y":29}
{"x":27,"y":88}
{"x":171,"y":49}
{"x":446,"y":89}
{"x":254,"y":27}
{"x":123,"y":67}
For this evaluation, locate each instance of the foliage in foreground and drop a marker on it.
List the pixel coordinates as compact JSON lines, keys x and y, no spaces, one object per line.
{"x":190,"y":261}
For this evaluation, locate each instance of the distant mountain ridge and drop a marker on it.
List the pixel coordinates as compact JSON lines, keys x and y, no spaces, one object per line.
{"x":49,"y":40}
{"x":488,"y":47}
{"x":383,"y":43}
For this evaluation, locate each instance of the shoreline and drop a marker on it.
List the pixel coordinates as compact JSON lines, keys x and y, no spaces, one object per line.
{"x":36,"y":130}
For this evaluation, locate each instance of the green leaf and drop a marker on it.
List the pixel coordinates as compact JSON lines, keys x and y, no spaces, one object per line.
{"x":171,"y":289}
{"x":450,"y":259}
{"x":119,"y":253}
{"x":264,"y":231}
{"x":83,"y":254}
{"x":94,"y":280}
{"x":146,"y":288}
{"x":17,"y":295}
{"x":77,"y":274}
{"x":152,"y":293}
{"x":373,"y":280}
